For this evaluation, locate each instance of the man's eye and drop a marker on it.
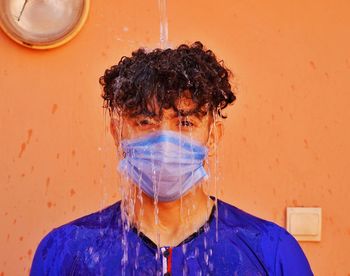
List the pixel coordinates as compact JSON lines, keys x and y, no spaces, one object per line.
{"x":143,"y":122}
{"x":186,"y":123}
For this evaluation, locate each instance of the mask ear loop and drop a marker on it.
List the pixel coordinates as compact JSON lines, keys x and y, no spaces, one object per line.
{"x":209,"y":134}
{"x":206,"y":160}
{"x":215,"y":114}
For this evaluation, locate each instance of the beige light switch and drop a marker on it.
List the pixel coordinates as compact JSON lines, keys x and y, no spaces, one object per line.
{"x":304,"y":223}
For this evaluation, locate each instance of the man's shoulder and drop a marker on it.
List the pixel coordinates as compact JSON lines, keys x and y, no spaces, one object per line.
{"x":101,"y":220}
{"x":260,"y":234}
{"x":99,"y":223}
{"x":64,"y":246}
{"x":238,"y":218}
{"x":271,"y":243}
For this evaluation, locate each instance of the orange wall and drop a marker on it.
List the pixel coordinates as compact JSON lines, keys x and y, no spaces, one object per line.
{"x":286,"y":140}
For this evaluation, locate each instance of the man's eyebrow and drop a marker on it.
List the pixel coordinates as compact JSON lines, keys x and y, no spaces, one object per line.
{"x":144,"y":115}
{"x":184,"y":113}
{"x":177,"y":113}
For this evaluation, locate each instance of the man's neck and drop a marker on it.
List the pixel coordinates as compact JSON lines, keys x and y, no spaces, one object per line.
{"x":173,"y":221}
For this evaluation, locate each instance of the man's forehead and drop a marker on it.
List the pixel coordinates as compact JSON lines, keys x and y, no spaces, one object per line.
{"x":185,"y":102}
{"x":183,"y":106}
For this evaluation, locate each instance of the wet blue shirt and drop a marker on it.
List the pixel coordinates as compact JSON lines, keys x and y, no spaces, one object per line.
{"x":246,"y":245}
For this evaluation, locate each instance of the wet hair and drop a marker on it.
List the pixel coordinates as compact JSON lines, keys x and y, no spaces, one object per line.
{"x":147,"y":82}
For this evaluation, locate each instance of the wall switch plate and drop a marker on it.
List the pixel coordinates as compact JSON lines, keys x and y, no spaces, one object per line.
{"x":305,"y":223}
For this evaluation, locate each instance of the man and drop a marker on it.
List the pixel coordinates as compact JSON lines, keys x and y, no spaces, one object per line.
{"x":166,"y":110}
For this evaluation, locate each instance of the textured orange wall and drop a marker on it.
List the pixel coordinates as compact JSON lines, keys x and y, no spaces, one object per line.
{"x":286,"y":141}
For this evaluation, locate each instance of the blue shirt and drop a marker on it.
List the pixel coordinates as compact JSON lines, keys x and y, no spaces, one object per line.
{"x":98,"y":244}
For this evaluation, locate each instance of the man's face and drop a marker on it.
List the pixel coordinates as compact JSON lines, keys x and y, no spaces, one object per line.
{"x":199,"y":128}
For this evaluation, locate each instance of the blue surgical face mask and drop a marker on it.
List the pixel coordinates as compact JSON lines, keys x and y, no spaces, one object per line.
{"x":164,"y":164}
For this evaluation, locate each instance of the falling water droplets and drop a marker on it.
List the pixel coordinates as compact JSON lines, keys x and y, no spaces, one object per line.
{"x":196,"y":252}
{"x":206,"y":258}
{"x":184,"y":248}
{"x":162,"y":4}
{"x":137,"y":252}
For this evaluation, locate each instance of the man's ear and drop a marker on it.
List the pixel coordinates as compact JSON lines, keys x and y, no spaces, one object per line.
{"x":114,"y":129}
{"x":215,"y":134}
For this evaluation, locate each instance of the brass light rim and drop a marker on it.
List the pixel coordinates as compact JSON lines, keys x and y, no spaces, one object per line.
{"x":56,"y":43}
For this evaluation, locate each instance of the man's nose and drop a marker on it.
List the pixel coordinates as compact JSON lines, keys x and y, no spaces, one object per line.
{"x":165,"y":124}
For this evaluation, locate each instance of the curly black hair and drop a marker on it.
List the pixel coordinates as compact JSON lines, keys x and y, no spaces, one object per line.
{"x":162,"y":76}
